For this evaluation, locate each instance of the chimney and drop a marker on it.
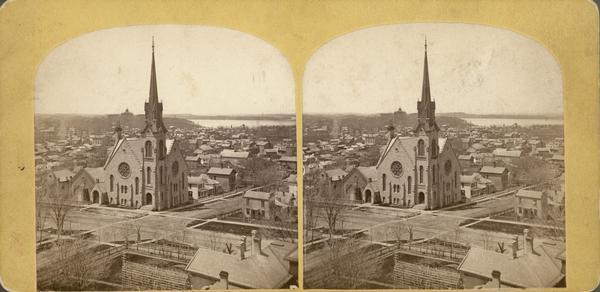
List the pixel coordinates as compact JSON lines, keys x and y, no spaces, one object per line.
{"x":526,"y":245}
{"x":224,"y":277}
{"x":256,"y":243}
{"x":515,"y":247}
{"x":496,"y":278}
{"x":243,"y":248}
{"x":253,"y":239}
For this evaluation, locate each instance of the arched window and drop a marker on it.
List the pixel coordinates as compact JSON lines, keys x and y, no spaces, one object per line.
{"x":409,"y":184}
{"x":160,"y":174}
{"x":434,"y":150}
{"x":112,"y":183}
{"x":421,"y":174}
{"x":383,"y":181}
{"x":137,"y":185}
{"x":148,"y":149}
{"x":148,"y":175}
{"x":421,"y":148}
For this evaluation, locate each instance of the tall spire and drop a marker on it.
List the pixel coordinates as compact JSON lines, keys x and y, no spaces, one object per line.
{"x":153,"y":95}
{"x":153,"y":108}
{"x":425,"y":94}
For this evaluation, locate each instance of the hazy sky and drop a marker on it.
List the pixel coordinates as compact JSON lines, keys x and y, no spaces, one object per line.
{"x":200,"y":70}
{"x":474,"y":69}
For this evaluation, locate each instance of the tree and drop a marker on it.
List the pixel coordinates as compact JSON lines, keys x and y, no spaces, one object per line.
{"x":74,"y":260}
{"x":532,"y":170}
{"x":58,"y":201}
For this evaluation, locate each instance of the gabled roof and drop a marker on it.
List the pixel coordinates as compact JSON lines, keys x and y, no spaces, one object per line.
{"x":493,"y":170}
{"x":368,"y":172}
{"x":528,"y":270}
{"x":257,"y":195}
{"x":529,"y":194}
{"x":335,"y":174}
{"x":288,"y":159}
{"x":502,"y":152}
{"x":220,"y":171}
{"x":255,"y":271}
{"x":96,"y":173}
{"x":63,"y":175}
{"x":228,"y":153}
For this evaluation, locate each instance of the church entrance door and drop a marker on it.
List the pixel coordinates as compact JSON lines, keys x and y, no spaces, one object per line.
{"x":368,"y":196}
{"x":421,"y":198}
{"x":96,"y":196}
{"x":148,"y":199}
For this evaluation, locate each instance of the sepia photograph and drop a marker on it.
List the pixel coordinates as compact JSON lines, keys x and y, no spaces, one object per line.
{"x":433,"y":158}
{"x":165,"y":159}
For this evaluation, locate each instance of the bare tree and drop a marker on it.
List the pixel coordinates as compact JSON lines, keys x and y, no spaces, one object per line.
{"x":40,"y":214}
{"x":74,"y":260}
{"x":213,"y":241}
{"x":347,"y":265}
{"x":58,"y":200}
{"x":486,"y":238}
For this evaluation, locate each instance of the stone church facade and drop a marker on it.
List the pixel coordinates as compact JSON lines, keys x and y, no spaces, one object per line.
{"x":141,"y":172}
{"x":421,"y":171}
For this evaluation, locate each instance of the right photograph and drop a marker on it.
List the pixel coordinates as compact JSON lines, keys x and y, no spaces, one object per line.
{"x":433,"y":159}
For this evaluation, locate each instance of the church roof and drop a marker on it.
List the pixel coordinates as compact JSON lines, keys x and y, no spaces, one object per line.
{"x":369,"y":172}
{"x":95,"y":173}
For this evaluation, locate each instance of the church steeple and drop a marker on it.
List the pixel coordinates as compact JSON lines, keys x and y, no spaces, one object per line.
{"x":425,"y":94}
{"x":425,"y":106}
{"x":153,"y":96}
{"x":153,"y":108}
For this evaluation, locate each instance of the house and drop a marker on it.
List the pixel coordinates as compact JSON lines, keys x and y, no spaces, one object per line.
{"x":62,"y":179}
{"x":507,"y":155}
{"x":257,"y":205}
{"x":234,"y":156}
{"x":288,"y":162}
{"x":335,"y":178}
{"x":531,"y":204}
{"x":536,"y":265}
{"x":466,"y":160}
{"x":498,"y":175}
{"x":475,"y":185}
{"x":225,"y":176}
{"x":262,"y":146}
{"x":203,"y":186}
{"x":254,"y":265}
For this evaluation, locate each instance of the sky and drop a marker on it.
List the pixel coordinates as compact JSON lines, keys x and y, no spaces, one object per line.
{"x":473,"y":69}
{"x":200,"y":70}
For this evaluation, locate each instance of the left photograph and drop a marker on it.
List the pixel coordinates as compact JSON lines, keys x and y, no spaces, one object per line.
{"x":165,"y":160}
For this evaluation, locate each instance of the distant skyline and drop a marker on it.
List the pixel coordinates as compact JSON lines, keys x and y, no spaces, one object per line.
{"x":201,"y":70}
{"x":473,"y":69}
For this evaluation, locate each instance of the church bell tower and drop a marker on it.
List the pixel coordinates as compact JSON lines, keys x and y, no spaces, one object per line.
{"x":427,"y":131}
{"x":155,"y":135}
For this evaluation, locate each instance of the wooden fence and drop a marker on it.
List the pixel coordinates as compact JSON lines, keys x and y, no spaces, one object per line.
{"x":137,"y":276}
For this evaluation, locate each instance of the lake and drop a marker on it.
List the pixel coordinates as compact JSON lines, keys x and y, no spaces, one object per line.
{"x":508,"y":122}
{"x":238,"y":123}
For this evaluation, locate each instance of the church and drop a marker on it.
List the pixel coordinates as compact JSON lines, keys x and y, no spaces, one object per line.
{"x":421,"y":171}
{"x":146,"y":172}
